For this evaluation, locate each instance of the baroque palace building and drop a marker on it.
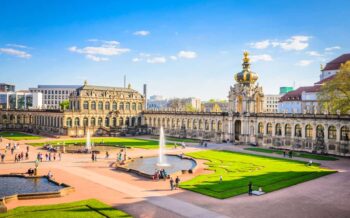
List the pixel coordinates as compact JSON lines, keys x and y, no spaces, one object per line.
{"x":103,"y":110}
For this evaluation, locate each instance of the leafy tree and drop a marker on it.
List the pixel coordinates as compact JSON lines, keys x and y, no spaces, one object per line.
{"x":64,"y":105}
{"x":335,"y":93}
{"x":189,"y":108}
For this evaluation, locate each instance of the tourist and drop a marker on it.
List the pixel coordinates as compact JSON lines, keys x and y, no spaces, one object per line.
{"x":27,"y":155}
{"x":220,"y":178}
{"x":12,"y":149}
{"x":250,"y":190}
{"x":310,"y":163}
{"x":54,"y":156}
{"x":107,"y":155}
{"x":49,"y":175}
{"x":46,"y":157}
{"x":177,"y":181}
{"x":2,"y":157}
{"x":171,"y":183}
{"x":206,"y":145}
{"x":183,"y":145}
{"x":284,"y":153}
{"x":93,"y":156}
{"x":59,"y":156}
{"x":175,"y":145}
{"x":27,"y":148}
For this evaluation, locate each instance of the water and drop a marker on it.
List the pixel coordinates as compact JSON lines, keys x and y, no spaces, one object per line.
{"x":19,"y":185}
{"x":88,"y":141}
{"x":148,"y":165}
{"x":162,"y":161}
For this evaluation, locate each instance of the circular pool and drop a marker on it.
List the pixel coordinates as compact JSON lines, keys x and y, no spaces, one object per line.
{"x":148,"y":165}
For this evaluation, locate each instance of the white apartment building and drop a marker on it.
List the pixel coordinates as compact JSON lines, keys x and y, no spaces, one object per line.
{"x":53,"y":95}
{"x":20,"y":100}
{"x":271,"y":103}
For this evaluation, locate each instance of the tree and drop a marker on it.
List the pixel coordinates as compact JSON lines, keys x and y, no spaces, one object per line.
{"x":189,"y":108}
{"x":64,"y":105}
{"x":335,"y":93}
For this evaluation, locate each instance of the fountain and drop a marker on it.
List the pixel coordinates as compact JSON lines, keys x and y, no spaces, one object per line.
{"x":88,"y":141}
{"x":162,"y":162}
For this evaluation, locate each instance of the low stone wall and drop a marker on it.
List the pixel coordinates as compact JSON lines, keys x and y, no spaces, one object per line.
{"x":39,"y":195}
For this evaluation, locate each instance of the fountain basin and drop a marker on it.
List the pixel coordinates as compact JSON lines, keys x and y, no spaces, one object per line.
{"x":147,"y":166}
{"x":18,"y":187}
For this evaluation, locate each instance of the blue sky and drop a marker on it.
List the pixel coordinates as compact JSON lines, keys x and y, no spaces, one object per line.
{"x":179,"y":48}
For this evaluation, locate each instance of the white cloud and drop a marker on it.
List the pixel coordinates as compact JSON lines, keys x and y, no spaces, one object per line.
{"x":136,"y":60}
{"x":142,"y":33}
{"x":156,"y":60}
{"x":15,"y":52}
{"x":173,"y":57}
{"x":263,"y":57}
{"x":17,"y":46}
{"x":96,"y":58}
{"x":106,"y":48}
{"x":314,"y":53}
{"x":260,"y":45}
{"x":303,"y":63}
{"x":296,"y":43}
{"x":332,"y":48}
{"x":187,"y":54}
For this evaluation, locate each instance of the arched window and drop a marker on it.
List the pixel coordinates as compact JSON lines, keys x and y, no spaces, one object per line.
{"x":93,"y":121}
{"x":308,"y":131}
{"x":319,"y":131}
{"x":220,"y":126}
{"x":121,"y":121}
{"x":297,"y":132}
{"x":93,"y":105}
{"x":269,"y":129}
{"x":261,"y":128}
{"x":76,"y":122}
{"x":107,"y":106}
{"x":200,"y":124}
{"x":127,"y":106}
{"x":332,"y":132}
{"x":133,"y":106}
{"x":69,"y":122}
{"x":278,"y":130}
{"x":288,"y":130}
{"x":114,"y":122}
{"x":100,"y":105}
{"x":121,"y":106}
{"x":206,"y":124}
{"x":139,"y":106}
{"x":86,"y":105}
{"x":99,"y":121}
{"x":115,"y":106}
{"x":85,"y":121}
{"x":194,"y":124}
{"x":344,"y":134}
{"x":107,"y":122}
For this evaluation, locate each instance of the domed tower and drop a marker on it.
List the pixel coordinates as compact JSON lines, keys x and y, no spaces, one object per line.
{"x":246,"y":76}
{"x":246,"y":96}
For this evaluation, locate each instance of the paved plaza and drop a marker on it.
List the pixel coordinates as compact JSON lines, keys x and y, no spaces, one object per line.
{"x":327,"y":196}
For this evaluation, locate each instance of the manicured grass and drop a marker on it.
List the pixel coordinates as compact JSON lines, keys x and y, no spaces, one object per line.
{"x":16,"y":136}
{"x":80,"y":209}
{"x":295,"y":154}
{"x":237,"y":169}
{"x":174,"y":139}
{"x":110,"y":141}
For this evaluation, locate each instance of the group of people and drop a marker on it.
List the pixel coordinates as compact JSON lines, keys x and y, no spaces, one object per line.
{"x":174,"y":184}
{"x":160,"y":174}
{"x":19,"y":157}
{"x":120,"y":157}
{"x":204,"y":144}
{"x":51,"y":156}
{"x":289,"y":153}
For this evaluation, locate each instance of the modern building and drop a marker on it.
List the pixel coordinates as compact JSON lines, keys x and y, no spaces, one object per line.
{"x":271,"y":103}
{"x":53,"y":95}
{"x":333,"y":66}
{"x":20,"y":100}
{"x":6,"y":87}
{"x":157,"y":102}
{"x":285,"y":89}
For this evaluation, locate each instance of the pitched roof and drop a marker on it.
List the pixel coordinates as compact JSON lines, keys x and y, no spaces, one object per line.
{"x":105,"y":88}
{"x":335,"y":64}
{"x":324,"y":80}
{"x":296,"y":94}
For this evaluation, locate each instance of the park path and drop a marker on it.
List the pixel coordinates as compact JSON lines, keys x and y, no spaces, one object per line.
{"x":177,"y":206}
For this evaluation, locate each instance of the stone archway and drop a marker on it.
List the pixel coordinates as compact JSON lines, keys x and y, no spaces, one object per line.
{"x":238,"y":127}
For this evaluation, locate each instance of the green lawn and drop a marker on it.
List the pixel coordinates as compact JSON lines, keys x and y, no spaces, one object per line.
{"x":237,"y":169}
{"x":80,"y":209}
{"x":295,"y":154}
{"x":110,"y":141}
{"x":18,"y":136}
{"x":174,"y":139}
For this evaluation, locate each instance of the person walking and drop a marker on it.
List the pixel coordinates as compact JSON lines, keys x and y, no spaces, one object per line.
{"x":171,"y":183}
{"x":107,"y":155}
{"x":177,"y":181}
{"x":59,"y":156}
